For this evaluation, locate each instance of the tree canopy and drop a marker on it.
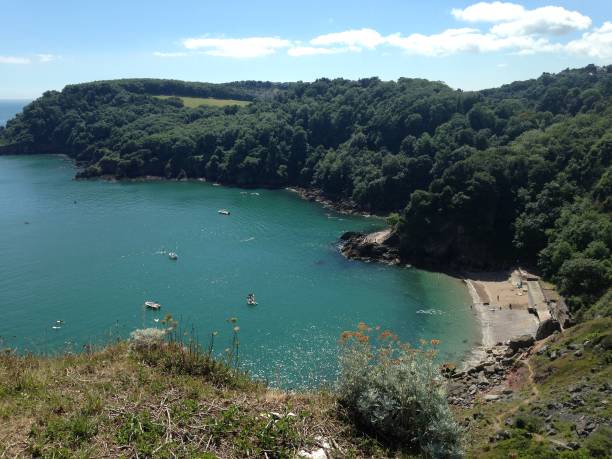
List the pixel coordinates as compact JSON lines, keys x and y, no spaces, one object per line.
{"x":519,"y":173}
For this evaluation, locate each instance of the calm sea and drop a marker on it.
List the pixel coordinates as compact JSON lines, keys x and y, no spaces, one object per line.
{"x":9,"y":108}
{"x":89,"y":253}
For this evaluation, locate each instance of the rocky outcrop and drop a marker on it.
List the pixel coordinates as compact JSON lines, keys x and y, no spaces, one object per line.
{"x":380,"y":246}
{"x":520,"y":342}
{"x":342,"y":205}
{"x":486,"y":379}
{"x":547,"y":328}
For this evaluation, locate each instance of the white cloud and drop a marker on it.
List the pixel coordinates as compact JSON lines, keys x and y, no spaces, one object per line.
{"x":47,"y":57}
{"x":14,"y":60}
{"x":453,"y":41}
{"x":489,"y":12}
{"x":596,"y":44}
{"x":237,"y":47}
{"x":351,"y":39}
{"x":515,"y":30}
{"x":553,"y":20}
{"x":299,"y":51}
{"x":169,"y":55}
{"x":512,"y":29}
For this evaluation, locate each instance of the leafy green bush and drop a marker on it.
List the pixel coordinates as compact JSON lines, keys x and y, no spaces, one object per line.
{"x":393,"y":219}
{"x":397,"y":393}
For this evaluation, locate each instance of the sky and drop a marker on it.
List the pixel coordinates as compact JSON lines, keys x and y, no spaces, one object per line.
{"x":469,"y":45}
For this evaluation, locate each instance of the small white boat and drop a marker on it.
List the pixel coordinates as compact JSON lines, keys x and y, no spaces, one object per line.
{"x":152,"y":305}
{"x":251,"y":300}
{"x":223,"y":212}
{"x":173,"y":256}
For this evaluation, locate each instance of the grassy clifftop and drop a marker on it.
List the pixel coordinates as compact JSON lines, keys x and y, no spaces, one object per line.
{"x":112,"y":403}
{"x":168,"y":402}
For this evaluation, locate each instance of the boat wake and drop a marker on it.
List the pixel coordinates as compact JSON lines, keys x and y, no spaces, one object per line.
{"x":431,"y":312}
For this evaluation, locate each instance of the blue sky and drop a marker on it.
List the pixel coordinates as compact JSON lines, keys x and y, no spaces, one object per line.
{"x":468,"y":44}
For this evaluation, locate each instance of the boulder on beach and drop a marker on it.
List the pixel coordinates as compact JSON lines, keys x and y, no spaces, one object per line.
{"x":547,"y":328}
{"x":521,"y":342}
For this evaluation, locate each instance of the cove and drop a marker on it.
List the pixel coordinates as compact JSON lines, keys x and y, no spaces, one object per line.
{"x":89,"y":253}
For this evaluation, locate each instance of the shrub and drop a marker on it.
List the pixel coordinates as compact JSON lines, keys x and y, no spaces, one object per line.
{"x":146,"y":338}
{"x":393,"y":219}
{"x":599,"y":443}
{"x":397,"y":393}
{"x":180,"y":352}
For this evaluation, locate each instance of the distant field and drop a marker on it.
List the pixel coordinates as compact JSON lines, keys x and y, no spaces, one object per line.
{"x":193,"y":102}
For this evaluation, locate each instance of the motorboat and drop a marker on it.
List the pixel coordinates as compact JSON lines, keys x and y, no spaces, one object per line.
{"x":251,"y":299}
{"x":173,"y":256}
{"x":152,"y":305}
{"x":223,"y":212}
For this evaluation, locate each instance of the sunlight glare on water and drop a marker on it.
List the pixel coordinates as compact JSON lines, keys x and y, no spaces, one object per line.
{"x":90,"y":253}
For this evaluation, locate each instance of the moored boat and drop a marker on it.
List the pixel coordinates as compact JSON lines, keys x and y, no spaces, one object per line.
{"x":223,"y":212}
{"x":152,"y":305}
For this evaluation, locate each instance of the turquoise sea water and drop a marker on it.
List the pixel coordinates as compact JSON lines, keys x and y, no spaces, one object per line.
{"x":91,"y":252}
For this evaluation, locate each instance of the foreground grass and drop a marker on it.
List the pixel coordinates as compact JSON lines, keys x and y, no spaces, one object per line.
{"x":554,"y":399}
{"x":117,"y":403}
{"x":169,"y":402}
{"x":193,"y":102}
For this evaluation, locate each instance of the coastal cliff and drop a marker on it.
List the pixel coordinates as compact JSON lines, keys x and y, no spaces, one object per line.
{"x":542,"y":399}
{"x":478,"y":182}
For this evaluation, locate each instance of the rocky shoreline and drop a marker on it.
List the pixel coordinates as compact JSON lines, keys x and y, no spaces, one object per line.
{"x":487,"y":379}
{"x":380,"y":246}
{"x":508,"y":325}
{"x":343,"y":206}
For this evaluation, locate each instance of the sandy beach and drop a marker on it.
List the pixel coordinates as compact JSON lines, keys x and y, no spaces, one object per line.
{"x":501,"y":307}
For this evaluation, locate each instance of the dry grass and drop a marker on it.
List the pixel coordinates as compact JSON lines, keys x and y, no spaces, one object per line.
{"x":111,"y":404}
{"x":194,"y":102}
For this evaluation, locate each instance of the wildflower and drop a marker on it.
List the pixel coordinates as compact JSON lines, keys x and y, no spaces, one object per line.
{"x":345,"y":336}
{"x":384,"y":335}
{"x":362,"y":338}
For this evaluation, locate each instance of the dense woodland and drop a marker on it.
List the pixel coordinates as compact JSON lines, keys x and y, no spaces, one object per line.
{"x":520,"y":173}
